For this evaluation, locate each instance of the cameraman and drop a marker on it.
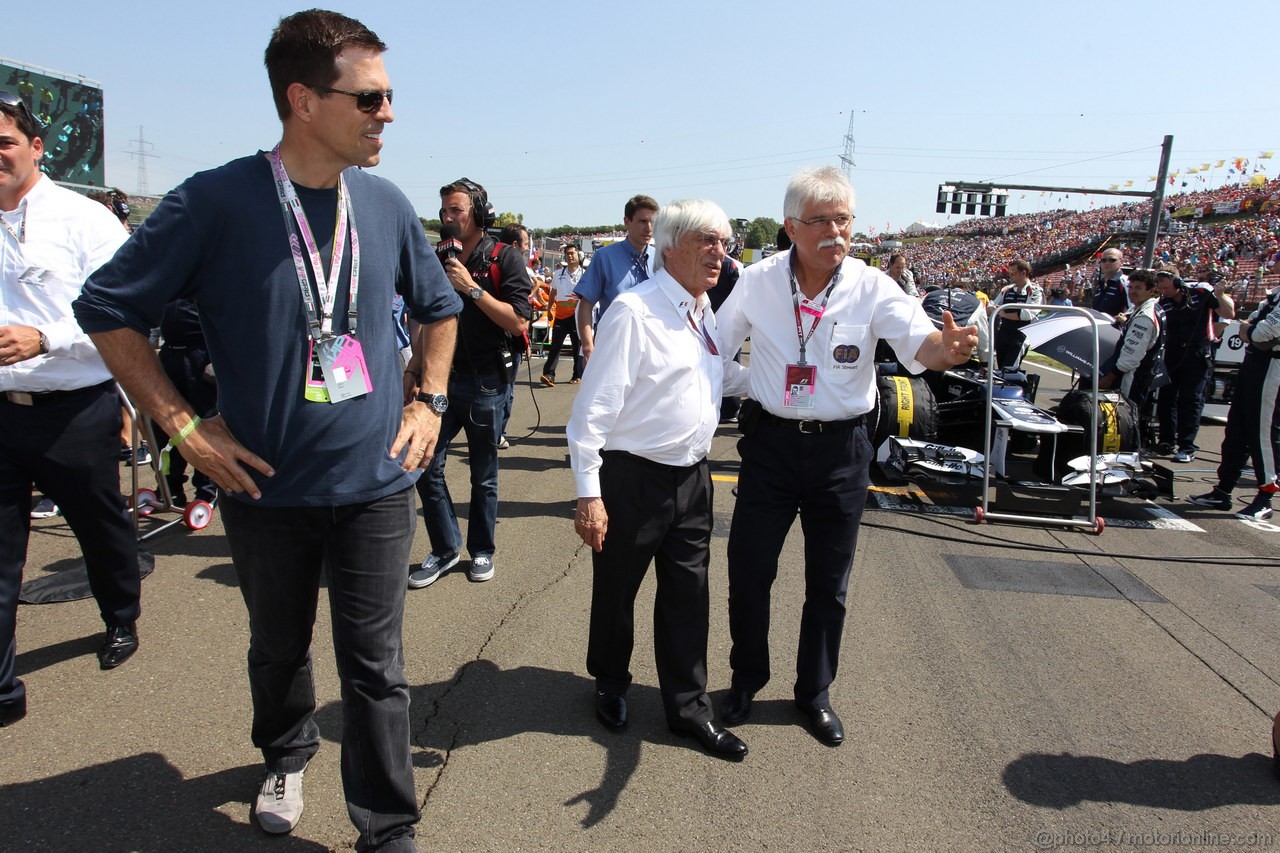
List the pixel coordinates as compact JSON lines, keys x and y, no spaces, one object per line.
{"x":494,"y":284}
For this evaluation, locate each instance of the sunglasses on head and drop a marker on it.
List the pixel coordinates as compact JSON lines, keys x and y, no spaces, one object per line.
{"x":366,"y":102}
{"x":12,"y":101}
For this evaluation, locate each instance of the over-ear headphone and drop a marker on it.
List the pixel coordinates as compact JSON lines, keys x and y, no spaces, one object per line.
{"x":481,"y":210}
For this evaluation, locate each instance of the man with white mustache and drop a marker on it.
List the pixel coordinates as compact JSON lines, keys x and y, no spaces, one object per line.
{"x":814,"y":315}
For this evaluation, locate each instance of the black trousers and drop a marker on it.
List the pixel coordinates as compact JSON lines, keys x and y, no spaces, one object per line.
{"x":560,"y":330}
{"x":1181,"y":402}
{"x":69,"y":447}
{"x":1008,"y":345}
{"x":662,"y":515}
{"x":1253,"y":424}
{"x":823,"y":479}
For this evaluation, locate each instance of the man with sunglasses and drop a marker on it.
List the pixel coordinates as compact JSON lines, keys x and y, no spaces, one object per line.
{"x":814,"y":315}
{"x":314,"y":448}
{"x":616,"y":268}
{"x":59,"y":412}
{"x":1111,"y":288}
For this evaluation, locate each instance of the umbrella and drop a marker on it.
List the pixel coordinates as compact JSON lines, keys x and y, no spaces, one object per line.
{"x":1068,"y":338}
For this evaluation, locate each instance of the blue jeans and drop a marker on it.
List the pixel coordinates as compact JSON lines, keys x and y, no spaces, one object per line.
{"x":475,"y":407}
{"x":279,"y":553}
{"x":518,"y":357}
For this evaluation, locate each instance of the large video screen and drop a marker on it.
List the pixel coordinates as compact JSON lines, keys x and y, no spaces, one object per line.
{"x":72,"y":111}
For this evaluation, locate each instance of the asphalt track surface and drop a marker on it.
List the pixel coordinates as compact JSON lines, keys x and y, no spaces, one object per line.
{"x":996,"y":695}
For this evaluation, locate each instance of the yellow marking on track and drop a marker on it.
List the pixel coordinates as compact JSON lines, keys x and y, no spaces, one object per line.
{"x":891,"y":490}
{"x":724,"y":478}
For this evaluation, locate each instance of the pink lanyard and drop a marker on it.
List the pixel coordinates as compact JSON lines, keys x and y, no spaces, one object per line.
{"x":320,"y":326}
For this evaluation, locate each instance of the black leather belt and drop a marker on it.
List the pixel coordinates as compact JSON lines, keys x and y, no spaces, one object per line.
{"x":649,"y":463}
{"x":40,"y":398}
{"x":813,"y":427}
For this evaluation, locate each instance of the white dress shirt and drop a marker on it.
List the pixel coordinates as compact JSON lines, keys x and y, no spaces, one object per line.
{"x":865,"y":306}
{"x":63,"y":238}
{"x":652,"y":387}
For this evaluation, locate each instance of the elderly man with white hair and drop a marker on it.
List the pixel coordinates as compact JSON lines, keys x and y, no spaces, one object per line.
{"x":814,"y":315}
{"x":639,"y":434}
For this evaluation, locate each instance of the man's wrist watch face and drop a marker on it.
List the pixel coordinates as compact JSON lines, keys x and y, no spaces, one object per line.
{"x":439,"y":403}
{"x":475,"y":293}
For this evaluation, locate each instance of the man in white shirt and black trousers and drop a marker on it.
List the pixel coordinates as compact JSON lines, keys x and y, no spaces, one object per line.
{"x":59,"y":413}
{"x":814,"y":315}
{"x":639,"y":434}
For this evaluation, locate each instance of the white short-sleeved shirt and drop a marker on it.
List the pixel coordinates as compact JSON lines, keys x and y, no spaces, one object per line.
{"x":865,"y":306}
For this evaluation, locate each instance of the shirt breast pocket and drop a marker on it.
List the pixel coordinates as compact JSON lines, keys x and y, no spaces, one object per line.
{"x":849,"y":351}
{"x":44,"y":268}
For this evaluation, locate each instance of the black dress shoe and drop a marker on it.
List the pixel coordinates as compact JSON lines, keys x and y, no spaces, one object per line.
{"x":12,"y":711}
{"x":121,"y":643}
{"x":717,"y":741}
{"x":611,"y":709}
{"x":825,"y":725}
{"x":736,"y":706}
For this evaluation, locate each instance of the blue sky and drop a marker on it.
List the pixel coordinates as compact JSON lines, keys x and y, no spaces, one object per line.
{"x":564,"y":110}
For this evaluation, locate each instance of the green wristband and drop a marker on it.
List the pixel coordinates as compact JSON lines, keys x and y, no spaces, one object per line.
{"x":185,"y":431}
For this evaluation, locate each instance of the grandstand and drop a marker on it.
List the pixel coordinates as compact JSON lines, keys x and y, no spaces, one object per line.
{"x":1232,"y":232}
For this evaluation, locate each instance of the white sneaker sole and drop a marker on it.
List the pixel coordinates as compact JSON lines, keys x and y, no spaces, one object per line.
{"x":480,"y":577}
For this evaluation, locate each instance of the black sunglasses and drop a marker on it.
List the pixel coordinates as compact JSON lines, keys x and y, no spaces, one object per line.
{"x":12,"y":101}
{"x":366,"y":102}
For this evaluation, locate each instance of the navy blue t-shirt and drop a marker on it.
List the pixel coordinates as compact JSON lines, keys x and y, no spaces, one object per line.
{"x":220,"y":239}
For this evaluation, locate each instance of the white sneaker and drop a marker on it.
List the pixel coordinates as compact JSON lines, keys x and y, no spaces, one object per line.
{"x":45,"y":509}
{"x":279,"y":804}
{"x":481,"y":568}
{"x":431,"y":570}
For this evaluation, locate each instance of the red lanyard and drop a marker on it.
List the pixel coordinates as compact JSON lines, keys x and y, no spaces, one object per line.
{"x":822,"y":309}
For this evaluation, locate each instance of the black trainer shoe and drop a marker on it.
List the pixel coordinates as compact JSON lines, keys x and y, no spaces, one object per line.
{"x":1259,"y":509}
{"x":1217,"y":499}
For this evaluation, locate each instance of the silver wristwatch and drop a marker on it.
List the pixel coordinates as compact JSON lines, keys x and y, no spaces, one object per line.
{"x":475,"y":293}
